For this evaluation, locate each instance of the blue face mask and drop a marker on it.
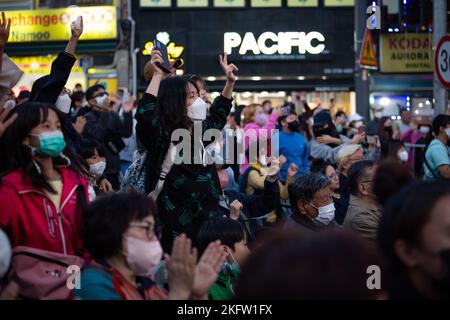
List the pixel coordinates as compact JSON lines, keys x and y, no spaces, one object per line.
{"x":51,"y":144}
{"x":232,"y":267}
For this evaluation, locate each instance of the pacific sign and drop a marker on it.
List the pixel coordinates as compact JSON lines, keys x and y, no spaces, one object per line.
{"x":270,"y":43}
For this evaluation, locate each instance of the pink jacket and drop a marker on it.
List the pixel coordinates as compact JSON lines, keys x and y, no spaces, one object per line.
{"x":261,"y":133}
{"x":31,"y":219}
{"x":411,"y":136}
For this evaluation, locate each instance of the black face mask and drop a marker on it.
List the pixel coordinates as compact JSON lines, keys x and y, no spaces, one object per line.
{"x":293,"y":126}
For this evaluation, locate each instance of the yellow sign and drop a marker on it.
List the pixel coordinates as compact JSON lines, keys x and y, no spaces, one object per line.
{"x":302,"y":3}
{"x":265,"y":3}
{"x":192,"y":3}
{"x":406,"y":53}
{"x":156,"y":3}
{"x":339,"y":3}
{"x":110,"y":84}
{"x":100,"y":23}
{"x":229,"y":3}
{"x":368,"y":57}
{"x":39,"y":64}
{"x":173,"y":50}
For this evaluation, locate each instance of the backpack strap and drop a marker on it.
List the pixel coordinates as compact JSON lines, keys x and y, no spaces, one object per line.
{"x":428,"y":165}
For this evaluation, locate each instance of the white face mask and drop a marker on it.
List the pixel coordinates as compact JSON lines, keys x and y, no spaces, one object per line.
{"x":197,"y":111}
{"x":101,"y":100}
{"x":403,"y":156}
{"x":447,"y":131}
{"x":326,"y":214}
{"x":63,"y":103}
{"x":98,"y":168}
{"x":424,"y":130}
{"x":143,"y":256}
{"x":263,"y":160}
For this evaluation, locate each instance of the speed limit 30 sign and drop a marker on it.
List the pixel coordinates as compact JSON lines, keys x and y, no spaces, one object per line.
{"x":442,"y":61}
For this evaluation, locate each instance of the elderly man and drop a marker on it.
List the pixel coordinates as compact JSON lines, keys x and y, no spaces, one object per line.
{"x":364,"y":213}
{"x":313,"y":207}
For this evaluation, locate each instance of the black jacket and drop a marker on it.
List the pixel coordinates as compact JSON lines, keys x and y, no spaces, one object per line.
{"x":48,"y":88}
{"x":100,"y":124}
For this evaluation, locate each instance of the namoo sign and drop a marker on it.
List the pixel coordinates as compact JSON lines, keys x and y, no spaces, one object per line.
{"x":280,"y":43}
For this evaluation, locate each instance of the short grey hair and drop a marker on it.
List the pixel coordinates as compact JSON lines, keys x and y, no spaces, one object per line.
{"x":345,"y":153}
{"x":305,"y":186}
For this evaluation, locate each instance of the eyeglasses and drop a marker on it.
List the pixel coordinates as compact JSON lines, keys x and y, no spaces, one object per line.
{"x":150,"y":229}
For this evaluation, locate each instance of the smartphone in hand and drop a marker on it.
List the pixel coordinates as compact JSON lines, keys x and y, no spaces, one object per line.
{"x":165,"y":66}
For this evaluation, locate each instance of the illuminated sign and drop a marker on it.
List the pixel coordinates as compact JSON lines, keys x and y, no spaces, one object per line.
{"x":173,"y":50}
{"x":100,"y":23}
{"x":39,"y":64}
{"x":281,"y":43}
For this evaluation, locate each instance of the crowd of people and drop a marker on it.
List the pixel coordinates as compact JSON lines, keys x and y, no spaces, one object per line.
{"x":89,"y":179}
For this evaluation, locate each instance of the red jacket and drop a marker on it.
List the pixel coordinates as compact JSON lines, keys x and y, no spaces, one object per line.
{"x":31,"y":219}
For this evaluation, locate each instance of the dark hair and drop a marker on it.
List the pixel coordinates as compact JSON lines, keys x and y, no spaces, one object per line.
{"x":89,"y":146}
{"x":384,"y":134}
{"x":403,"y":110}
{"x":305,"y":186}
{"x":172,"y":97}
{"x":319,"y":165}
{"x":290,"y":265}
{"x":266,"y":101}
{"x":227,"y":230}
{"x":29,"y":116}
{"x":340,"y":113}
{"x":304,"y":129}
{"x":407,"y":213}
{"x":197,"y":79}
{"x":394,"y":147}
{"x":107,"y":219}
{"x":441,"y":121}
{"x":356,"y":173}
{"x":77,"y":96}
{"x":390,"y":177}
{"x":92,"y":90}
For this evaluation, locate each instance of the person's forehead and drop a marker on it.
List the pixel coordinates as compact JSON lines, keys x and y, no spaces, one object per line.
{"x":322,"y":193}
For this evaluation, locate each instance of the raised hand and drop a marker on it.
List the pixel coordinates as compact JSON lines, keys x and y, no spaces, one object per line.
{"x":181,"y":268}
{"x":292,"y":170}
{"x":235,"y":209}
{"x":5,"y":26}
{"x":208,"y":269}
{"x":274,"y":168}
{"x":106,"y":186}
{"x":79,"y":124}
{"x":77,"y":27}
{"x":228,"y":69}
{"x":128,"y":106}
{"x":283,"y":160}
{"x":4,"y":114}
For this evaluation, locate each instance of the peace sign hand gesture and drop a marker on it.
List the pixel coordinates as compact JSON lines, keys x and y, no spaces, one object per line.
{"x":228,"y":69}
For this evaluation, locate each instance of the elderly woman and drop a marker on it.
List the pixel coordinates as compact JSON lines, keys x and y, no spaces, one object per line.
{"x":118,"y":231}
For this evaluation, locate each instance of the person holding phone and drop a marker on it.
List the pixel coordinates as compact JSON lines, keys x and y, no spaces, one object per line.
{"x":190,"y":193}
